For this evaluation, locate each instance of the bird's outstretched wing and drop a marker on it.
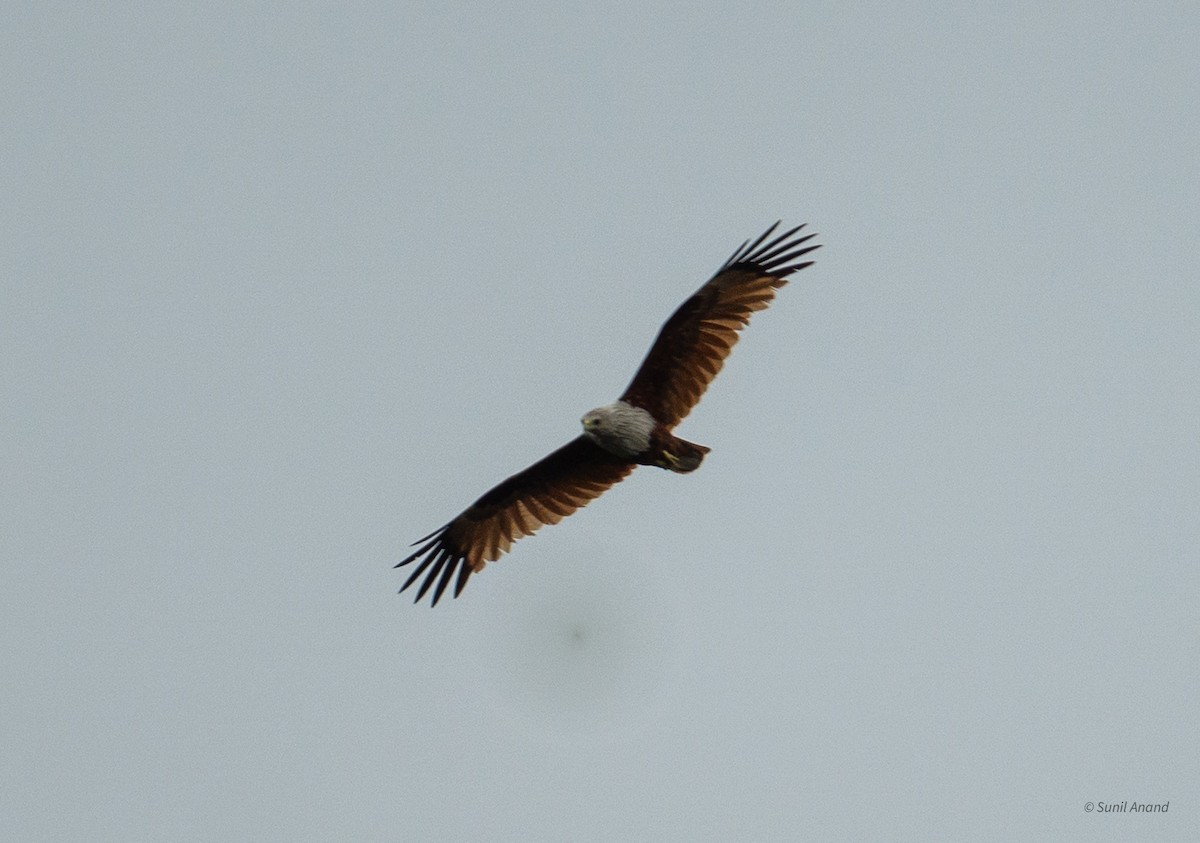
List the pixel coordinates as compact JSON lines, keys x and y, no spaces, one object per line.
{"x":545,"y":493}
{"x":693,"y":344}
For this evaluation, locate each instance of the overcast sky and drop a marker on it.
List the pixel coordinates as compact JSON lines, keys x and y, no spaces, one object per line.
{"x":284,"y":290}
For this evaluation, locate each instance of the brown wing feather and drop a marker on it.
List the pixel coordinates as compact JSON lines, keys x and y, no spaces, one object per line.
{"x":692,"y":346}
{"x":545,"y":493}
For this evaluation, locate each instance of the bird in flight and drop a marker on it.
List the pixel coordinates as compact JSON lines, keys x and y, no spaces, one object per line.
{"x":634,"y":430}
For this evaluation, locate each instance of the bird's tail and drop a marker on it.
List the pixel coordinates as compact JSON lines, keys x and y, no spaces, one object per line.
{"x":682,"y":456}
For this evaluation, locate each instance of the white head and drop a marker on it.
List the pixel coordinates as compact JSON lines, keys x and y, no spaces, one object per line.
{"x":619,"y":428}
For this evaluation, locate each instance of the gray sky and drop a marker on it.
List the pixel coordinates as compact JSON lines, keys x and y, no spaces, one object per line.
{"x":285,"y":290}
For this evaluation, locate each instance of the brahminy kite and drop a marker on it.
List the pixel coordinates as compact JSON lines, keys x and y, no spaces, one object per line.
{"x":634,"y":430}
